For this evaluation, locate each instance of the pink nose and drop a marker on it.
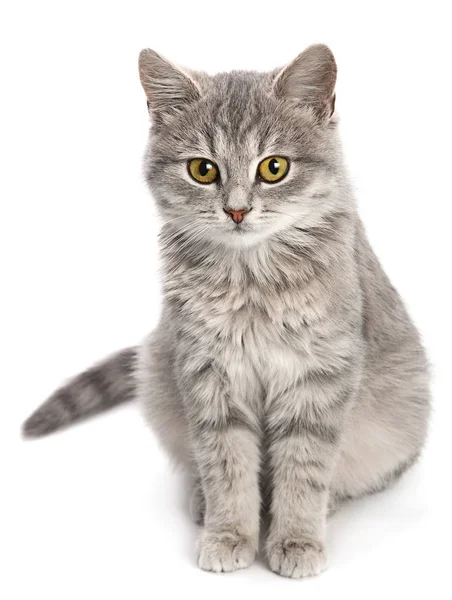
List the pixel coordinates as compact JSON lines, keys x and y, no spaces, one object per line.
{"x":237,"y":215}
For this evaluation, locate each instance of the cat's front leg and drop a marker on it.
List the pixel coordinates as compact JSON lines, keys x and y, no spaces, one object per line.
{"x":225,"y":441}
{"x":304,"y":429}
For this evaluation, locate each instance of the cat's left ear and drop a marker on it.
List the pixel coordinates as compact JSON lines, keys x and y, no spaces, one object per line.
{"x":167,"y":88}
{"x":311,"y":78}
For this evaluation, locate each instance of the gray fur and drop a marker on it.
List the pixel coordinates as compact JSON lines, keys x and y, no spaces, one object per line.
{"x":101,"y":387}
{"x":285,"y":373}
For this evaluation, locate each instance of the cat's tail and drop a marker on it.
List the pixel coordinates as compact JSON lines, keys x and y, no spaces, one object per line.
{"x":107,"y":384}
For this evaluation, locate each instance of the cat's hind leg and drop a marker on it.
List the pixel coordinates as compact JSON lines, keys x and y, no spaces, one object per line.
{"x":382,"y":442}
{"x":160,"y":399}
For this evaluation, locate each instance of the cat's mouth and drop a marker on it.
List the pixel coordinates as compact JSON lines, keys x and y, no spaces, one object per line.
{"x":238,"y":228}
{"x":241,"y":228}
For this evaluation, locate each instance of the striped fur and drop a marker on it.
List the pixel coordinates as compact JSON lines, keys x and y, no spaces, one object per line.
{"x":285,"y":374}
{"x":101,"y":387}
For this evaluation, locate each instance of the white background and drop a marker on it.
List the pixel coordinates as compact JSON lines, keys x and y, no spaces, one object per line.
{"x":96,"y":512}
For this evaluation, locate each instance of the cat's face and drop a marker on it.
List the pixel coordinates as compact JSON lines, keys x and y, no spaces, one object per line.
{"x":239,"y":157}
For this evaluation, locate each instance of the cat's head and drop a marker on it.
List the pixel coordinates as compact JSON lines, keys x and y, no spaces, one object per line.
{"x":239,"y":157}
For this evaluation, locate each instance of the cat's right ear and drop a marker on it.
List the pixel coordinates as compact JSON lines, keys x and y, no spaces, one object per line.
{"x":167,"y":88}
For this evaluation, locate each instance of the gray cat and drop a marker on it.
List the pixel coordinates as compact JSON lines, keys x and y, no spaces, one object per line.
{"x":285,"y":375}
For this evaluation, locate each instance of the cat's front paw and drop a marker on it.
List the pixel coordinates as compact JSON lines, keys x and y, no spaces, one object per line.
{"x":296,"y":557}
{"x":225,"y":551}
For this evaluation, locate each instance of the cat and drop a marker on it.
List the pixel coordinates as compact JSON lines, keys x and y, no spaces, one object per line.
{"x":285,"y":374}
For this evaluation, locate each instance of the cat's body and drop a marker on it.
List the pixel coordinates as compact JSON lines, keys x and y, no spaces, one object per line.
{"x":285,"y":371}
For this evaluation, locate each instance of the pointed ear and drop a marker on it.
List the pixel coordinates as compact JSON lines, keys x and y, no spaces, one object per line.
{"x":311,"y":78}
{"x":167,"y":88}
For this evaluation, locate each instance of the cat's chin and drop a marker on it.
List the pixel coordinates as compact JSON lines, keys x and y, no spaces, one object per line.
{"x":239,"y":239}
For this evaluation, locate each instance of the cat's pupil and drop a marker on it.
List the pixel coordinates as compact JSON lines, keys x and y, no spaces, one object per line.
{"x":273,"y":166}
{"x":204,"y":168}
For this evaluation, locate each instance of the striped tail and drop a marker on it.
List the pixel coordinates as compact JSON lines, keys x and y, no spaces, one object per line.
{"x":101,"y":387}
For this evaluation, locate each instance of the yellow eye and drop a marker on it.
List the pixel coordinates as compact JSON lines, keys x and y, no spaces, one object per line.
{"x":203,"y":170}
{"x":273,"y":169}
